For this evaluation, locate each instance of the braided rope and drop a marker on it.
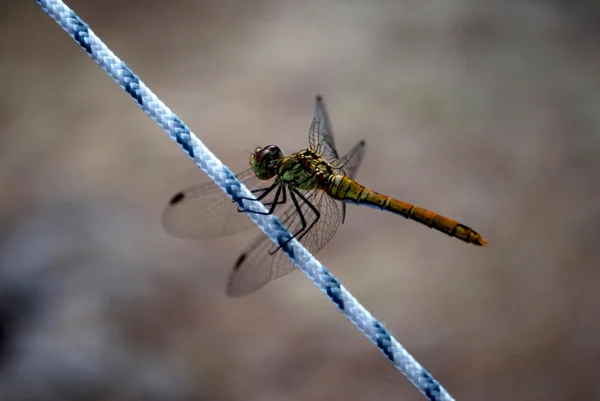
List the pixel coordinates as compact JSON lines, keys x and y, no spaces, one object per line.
{"x":219,"y":173}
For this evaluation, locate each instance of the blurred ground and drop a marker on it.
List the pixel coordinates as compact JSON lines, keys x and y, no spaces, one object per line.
{"x":487,"y":112}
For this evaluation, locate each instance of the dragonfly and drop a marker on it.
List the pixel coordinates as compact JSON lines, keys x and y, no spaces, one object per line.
{"x":308,"y":191}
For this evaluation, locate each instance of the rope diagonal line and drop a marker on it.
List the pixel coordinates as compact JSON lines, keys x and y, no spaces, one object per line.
{"x":226,"y":180}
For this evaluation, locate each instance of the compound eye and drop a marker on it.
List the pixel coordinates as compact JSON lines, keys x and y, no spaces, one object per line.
{"x":264,"y":152}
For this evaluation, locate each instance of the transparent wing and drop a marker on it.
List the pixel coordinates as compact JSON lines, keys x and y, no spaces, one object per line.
{"x":205,"y":212}
{"x":320,"y":136}
{"x":263,"y":262}
{"x":349,"y":163}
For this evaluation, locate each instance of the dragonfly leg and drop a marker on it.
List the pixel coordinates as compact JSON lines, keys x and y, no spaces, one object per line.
{"x":302,"y":222}
{"x":280,"y":190}
{"x":303,"y":230}
{"x":265,"y":192}
{"x":314,"y":209}
{"x":280,"y":202}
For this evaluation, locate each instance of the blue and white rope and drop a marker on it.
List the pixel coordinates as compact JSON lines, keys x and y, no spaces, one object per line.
{"x":218,"y":172}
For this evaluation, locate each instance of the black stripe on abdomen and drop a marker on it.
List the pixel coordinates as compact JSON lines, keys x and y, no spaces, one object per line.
{"x":372,"y":202}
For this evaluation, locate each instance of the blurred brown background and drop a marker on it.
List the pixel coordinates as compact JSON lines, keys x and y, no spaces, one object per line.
{"x":485,"y":111}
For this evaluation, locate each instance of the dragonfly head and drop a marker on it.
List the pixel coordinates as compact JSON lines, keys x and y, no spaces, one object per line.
{"x":264,"y":161}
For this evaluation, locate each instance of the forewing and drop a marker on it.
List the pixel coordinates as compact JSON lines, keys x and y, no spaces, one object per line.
{"x":205,"y":212}
{"x":263,"y":262}
{"x":321,"y":135}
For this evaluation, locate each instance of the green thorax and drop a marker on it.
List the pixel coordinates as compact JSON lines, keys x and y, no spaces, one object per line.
{"x":305,"y":170}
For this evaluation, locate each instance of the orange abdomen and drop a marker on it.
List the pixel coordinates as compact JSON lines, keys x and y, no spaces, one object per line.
{"x":345,"y":189}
